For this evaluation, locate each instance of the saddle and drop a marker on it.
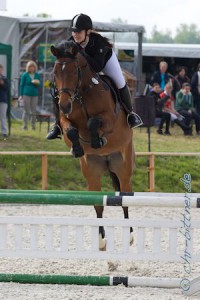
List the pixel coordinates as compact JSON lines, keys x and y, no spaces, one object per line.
{"x":109,"y":84}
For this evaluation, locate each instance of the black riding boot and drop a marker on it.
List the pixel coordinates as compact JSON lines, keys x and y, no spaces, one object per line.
{"x":56,"y":131}
{"x":133,"y":119}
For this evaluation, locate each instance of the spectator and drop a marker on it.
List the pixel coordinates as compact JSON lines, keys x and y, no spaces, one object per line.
{"x":29,"y":86}
{"x":176,"y":117}
{"x":184,"y":105}
{"x":161,"y":76}
{"x":159,"y":105}
{"x":179,"y":80}
{"x":195,"y":88}
{"x":4,"y":88}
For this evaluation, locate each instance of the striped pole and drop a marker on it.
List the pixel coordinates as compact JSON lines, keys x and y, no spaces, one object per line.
{"x":49,"y":192}
{"x":92,"y":280}
{"x":101,"y":200}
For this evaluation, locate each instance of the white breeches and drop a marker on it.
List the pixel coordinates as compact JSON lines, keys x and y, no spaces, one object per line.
{"x":114,"y":71}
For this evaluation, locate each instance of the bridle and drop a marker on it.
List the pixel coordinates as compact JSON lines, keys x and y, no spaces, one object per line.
{"x":73,"y":93}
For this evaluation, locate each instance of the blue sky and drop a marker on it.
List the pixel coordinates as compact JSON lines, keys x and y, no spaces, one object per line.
{"x":165,"y":14}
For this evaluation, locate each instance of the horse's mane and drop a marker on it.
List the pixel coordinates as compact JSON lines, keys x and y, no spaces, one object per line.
{"x":66,"y":48}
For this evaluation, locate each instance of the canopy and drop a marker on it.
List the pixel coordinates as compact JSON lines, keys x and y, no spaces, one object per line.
{"x":99,"y":26}
{"x":164,"y":50}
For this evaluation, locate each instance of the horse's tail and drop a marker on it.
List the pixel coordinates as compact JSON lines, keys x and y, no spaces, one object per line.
{"x":115,"y":181}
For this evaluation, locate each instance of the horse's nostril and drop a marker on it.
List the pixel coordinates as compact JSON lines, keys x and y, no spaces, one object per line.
{"x":66,"y":108}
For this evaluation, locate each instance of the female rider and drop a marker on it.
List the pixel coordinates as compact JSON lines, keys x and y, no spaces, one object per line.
{"x":101,"y":57}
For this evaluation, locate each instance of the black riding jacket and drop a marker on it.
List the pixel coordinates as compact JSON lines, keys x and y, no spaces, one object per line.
{"x":97,"y":52}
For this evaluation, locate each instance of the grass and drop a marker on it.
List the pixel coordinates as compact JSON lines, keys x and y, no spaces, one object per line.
{"x":24,"y":172}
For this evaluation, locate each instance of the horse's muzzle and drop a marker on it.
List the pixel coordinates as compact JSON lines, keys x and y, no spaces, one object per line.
{"x":66,"y":108}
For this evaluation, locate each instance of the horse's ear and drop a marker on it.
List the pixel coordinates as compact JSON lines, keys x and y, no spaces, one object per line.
{"x":54,"y":51}
{"x":73,"y":49}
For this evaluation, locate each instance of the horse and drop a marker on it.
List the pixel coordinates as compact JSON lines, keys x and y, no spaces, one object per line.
{"x":92,"y":126}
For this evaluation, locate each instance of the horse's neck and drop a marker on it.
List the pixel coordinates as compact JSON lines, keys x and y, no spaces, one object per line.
{"x":87,"y":72}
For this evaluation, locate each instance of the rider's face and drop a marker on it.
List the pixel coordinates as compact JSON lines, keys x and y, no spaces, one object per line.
{"x":79,"y":36}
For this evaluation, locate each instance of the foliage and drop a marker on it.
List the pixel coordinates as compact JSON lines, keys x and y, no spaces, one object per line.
{"x":119,"y":21}
{"x":40,"y":15}
{"x":43,"y":15}
{"x":158,"y":36}
{"x":187,"y":34}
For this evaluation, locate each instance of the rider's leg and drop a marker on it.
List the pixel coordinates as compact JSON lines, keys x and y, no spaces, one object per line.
{"x":56,"y":131}
{"x":132,"y":118}
{"x":113,"y":70}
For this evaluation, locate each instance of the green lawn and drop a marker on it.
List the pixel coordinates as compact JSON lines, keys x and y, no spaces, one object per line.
{"x":24,"y":172}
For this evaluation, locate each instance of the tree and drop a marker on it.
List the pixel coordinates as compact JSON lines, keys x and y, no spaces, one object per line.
{"x":160,"y":37}
{"x":187,"y":34}
{"x":119,"y":21}
{"x":43,"y":15}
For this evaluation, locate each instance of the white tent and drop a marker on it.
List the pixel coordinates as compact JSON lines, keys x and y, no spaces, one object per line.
{"x":10,"y":35}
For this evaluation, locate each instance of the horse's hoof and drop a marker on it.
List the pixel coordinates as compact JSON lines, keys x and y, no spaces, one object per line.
{"x":102,"y":243}
{"x":131,"y":238}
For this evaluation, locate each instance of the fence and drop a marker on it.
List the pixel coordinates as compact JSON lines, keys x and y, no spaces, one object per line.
{"x":77,"y":238}
{"x":151,"y":156}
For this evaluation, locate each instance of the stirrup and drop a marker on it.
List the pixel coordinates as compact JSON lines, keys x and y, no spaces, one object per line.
{"x":55,"y":133}
{"x":103,"y":141}
{"x":99,"y":143}
{"x":138,"y":120}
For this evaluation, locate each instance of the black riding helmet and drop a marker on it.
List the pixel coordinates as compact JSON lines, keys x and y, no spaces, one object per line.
{"x":81,"y":22}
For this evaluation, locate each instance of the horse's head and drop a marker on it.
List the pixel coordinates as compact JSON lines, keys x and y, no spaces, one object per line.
{"x":66,"y":74}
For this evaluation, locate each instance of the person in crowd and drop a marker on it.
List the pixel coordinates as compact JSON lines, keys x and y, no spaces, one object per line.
{"x":4,"y":89}
{"x":179,"y":80}
{"x":195,"y":89}
{"x":29,"y":90}
{"x":176,"y":117}
{"x":100,"y":56}
{"x":184,"y":105}
{"x":161,"y":76}
{"x":159,"y":105}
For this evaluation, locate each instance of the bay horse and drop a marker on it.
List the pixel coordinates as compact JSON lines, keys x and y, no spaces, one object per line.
{"x":96,"y":132}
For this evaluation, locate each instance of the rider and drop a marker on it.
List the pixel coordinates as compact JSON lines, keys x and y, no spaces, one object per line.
{"x":101,"y":57}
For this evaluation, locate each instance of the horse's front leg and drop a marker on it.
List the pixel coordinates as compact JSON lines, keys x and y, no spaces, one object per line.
{"x":73,"y":136}
{"x":94,"y":124}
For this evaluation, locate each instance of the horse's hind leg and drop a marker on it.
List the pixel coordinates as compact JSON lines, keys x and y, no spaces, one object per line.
{"x":102,"y":240}
{"x":73,"y":136}
{"x":126,"y":216}
{"x":93,"y":167}
{"x":122,"y":167}
{"x":93,"y":125}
